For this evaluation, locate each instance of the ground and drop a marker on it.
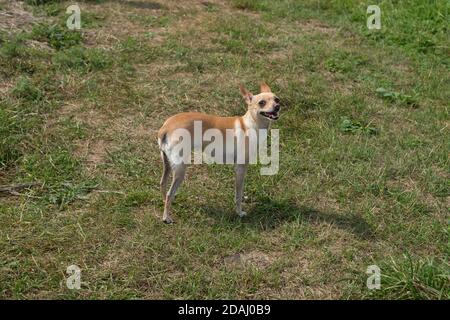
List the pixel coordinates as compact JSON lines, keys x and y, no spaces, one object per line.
{"x":364,"y":155}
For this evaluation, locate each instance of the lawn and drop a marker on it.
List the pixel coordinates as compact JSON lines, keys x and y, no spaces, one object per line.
{"x":364,"y":174}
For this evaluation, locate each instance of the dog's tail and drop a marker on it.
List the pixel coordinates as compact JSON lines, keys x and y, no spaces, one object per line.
{"x":162,"y":139}
{"x":162,"y":142}
{"x":165,"y":160}
{"x":166,"y":169}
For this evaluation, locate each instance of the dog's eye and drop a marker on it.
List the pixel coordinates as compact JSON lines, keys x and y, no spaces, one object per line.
{"x":277,"y":100}
{"x":262,"y":103}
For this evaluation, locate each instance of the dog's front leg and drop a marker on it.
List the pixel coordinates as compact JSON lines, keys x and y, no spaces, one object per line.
{"x":240,"y":174}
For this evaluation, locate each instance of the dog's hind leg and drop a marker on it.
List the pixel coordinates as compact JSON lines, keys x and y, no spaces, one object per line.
{"x":178,"y":175}
{"x":165,"y":175}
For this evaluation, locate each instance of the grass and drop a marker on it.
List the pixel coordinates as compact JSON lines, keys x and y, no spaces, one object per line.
{"x":364,"y":161}
{"x":56,"y":36}
{"x":425,"y":279}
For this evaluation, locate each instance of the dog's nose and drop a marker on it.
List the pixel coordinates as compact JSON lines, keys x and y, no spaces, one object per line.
{"x":276,"y":107}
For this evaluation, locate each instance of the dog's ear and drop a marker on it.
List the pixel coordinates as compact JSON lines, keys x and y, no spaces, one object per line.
{"x":246,"y":94}
{"x":265,"y":87}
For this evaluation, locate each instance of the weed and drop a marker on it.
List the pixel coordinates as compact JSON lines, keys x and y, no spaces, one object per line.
{"x":397,"y":97}
{"x":352,"y":126}
{"x":408,"y":278}
{"x":250,"y":5}
{"x":26,"y":90}
{"x":57,"y":36}
{"x":65,"y":193}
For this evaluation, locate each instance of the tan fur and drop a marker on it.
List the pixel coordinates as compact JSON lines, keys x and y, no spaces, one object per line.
{"x":186,"y":121}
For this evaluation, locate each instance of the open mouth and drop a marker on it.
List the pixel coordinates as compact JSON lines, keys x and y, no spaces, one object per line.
{"x":270,"y":115}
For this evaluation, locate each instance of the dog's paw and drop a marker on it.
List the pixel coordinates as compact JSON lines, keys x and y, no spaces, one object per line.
{"x":242,"y":214}
{"x":168,"y":220}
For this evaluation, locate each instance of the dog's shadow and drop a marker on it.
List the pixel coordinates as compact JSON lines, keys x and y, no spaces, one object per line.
{"x":152,"y":5}
{"x":267,"y":214}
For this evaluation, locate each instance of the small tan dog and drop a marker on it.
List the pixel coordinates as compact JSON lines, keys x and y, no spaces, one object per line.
{"x":262,"y":109}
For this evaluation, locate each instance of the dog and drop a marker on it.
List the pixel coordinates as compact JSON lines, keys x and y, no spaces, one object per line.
{"x":262,"y":109}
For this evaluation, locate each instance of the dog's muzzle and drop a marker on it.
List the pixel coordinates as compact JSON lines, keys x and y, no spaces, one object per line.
{"x":272,"y":115}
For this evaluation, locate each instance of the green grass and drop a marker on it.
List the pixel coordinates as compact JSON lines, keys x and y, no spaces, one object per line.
{"x":364,"y":161}
{"x":82,"y":59}
{"x":419,"y":279}
{"x":56,"y":36}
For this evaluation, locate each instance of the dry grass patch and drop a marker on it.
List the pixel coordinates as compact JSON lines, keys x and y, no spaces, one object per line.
{"x":256,"y":259}
{"x":14,"y":18}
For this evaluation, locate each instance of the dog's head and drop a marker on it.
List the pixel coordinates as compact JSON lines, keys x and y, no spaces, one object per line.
{"x":265,"y":105}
